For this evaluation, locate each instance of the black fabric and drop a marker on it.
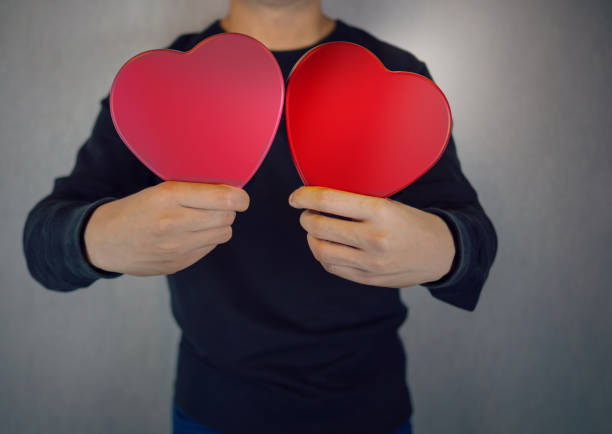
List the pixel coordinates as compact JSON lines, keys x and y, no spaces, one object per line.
{"x":271,"y":342}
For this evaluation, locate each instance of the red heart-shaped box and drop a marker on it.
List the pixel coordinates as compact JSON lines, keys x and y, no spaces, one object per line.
{"x":354,"y":125}
{"x":206,"y":115}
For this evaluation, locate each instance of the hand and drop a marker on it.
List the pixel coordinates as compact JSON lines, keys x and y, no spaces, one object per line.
{"x":385,"y":242}
{"x":162,"y":229}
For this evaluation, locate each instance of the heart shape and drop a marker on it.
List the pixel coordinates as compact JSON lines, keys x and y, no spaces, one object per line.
{"x":354,"y":125}
{"x":206,"y":115}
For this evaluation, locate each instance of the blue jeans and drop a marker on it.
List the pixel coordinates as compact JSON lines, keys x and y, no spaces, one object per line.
{"x":183,"y":424}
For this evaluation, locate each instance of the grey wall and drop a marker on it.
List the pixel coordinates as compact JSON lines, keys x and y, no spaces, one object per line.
{"x":528,"y":85}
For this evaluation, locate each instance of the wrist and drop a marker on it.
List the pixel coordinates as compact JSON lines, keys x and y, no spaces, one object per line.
{"x":80,"y":263}
{"x":92,"y":238}
{"x":445,"y":249}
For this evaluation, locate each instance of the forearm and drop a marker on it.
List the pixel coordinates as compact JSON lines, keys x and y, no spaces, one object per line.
{"x":52,"y":244}
{"x":476,"y":246}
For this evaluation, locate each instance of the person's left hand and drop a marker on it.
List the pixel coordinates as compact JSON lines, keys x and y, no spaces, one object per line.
{"x":385,"y":242}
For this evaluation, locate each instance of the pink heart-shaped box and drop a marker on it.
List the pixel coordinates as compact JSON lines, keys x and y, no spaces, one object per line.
{"x":206,"y":115}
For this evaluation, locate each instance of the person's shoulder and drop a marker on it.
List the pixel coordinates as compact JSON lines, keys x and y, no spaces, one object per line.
{"x":392,"y":56}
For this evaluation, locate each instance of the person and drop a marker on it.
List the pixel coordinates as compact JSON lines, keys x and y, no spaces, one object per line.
{"x":289,"y":312}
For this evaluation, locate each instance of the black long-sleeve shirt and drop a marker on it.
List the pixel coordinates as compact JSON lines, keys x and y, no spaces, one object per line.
{"x":270,"y":341}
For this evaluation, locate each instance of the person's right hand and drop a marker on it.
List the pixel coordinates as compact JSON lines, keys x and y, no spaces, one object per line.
{"x":162,"y":229}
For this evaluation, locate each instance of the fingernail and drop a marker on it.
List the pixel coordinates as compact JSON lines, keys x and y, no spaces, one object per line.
{"x":291,"y":200}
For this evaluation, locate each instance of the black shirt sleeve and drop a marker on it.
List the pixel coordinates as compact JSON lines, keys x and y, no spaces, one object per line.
{"x":445,"y":191}
{"x":105,"y":170}
{"x":53,"y":235}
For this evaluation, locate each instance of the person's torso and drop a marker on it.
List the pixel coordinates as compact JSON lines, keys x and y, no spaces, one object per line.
{"x":261,"y":306}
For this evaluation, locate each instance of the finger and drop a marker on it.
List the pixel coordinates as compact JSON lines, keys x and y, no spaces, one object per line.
{"x":337,"y":202}
{"x":394,"y":280}
{"x":202,"y":251}
{"x":195,"y":219}
{"x":350,"y":273}
{"x":332,"y":229}
{"x":208,"y":196}
{"x":184,"y":219}
{"x":208,"y":237}
{"x":195,"y":255}
{"x":332,"y":253}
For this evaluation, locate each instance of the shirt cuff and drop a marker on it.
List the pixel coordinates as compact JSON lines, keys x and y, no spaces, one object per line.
{"x":76,"y":244}
{"x":461,"y":259}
